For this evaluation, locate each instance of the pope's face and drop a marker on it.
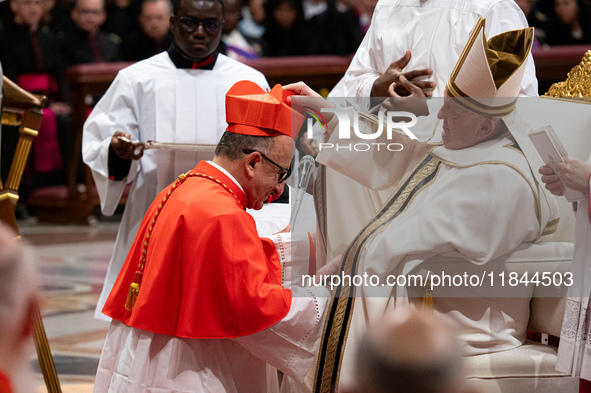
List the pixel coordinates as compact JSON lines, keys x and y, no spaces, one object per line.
{"x":194,"y":28}
{"x":460,"y":125}
{"x":266,"y":175}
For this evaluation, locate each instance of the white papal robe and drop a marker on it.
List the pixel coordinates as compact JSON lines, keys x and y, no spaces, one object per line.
{"x":473,"y":205}
{"x":435,"y":31}
{"x":155,"y":100}
{"x":574,"y":351}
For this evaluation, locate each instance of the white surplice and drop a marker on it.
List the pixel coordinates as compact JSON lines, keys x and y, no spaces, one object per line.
{"x":154,"y":100}
{"x":139,"y":361}
{"x":435,"y":31}
{"x":574,"y":350}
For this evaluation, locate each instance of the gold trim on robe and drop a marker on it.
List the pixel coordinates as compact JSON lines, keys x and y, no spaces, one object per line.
{"x":336,"y":329}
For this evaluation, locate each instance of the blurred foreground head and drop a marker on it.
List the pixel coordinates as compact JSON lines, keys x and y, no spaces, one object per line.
{"x":410,"y":352}
{"x":17,"y":301}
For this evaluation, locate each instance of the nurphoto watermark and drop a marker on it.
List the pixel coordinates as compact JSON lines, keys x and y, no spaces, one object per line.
{"x":389,"y":122}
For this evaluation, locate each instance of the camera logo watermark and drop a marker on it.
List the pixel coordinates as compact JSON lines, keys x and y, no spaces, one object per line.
{"x":392,"y":120}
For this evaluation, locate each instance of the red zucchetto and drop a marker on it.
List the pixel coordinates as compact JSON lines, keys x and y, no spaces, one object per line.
{"x":252,"y":111}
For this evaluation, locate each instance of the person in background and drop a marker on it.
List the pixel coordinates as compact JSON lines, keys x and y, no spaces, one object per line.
{"x":57,"y":15}
{"x":31,"y":58}
{"x":364,"y":11}
{"x":337,"y":23}
{"x":154,"y":35}
{"x":253,"y":18}
{"x":287,"y":33}
{"x":414,"y":351}
{"x":18,"y":289}
{"x":234,"y":44}
{"x":571,"y":23}
{"x":122,"y":17}
{"x":535,"y":18}
{"x":85,"y":42}
{"x":574,"y":350}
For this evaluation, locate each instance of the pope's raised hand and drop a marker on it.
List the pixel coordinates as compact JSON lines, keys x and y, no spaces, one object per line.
{"x":306,"y":97}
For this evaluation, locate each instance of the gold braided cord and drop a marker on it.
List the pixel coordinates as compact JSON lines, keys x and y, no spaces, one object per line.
{"x":178,"y":182}
{"x":134,"y":288}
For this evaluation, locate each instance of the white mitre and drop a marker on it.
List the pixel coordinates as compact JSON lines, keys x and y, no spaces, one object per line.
{"x":487,"y":77}
{"x":486,"y":80}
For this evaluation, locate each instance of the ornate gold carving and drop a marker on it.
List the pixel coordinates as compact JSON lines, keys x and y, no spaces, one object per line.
{"x":11,"y":118}
{"x":577,"y":84}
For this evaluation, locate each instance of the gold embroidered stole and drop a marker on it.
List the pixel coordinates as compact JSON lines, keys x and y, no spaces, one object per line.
{"x":320,"y":203}
{"x":340,"y":312}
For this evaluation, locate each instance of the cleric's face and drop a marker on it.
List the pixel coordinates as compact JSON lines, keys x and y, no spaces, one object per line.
{"x":89,"y":15}
{"x":155,"y":19}
{"x":267,"y":175}
{"x":27,"y":12}
{"x":197,"y":27}
{"x":460,"y":125}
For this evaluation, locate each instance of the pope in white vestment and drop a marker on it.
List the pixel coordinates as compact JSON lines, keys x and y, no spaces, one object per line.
{"x":473,"y":199}
{"x":435,"y":32}
{"x":155,"y":100}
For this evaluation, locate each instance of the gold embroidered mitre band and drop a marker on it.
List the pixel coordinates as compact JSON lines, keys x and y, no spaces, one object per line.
{"x":487,"y":77}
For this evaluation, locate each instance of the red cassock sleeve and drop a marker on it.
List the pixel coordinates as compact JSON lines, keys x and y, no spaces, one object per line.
{"x":207,"y":274}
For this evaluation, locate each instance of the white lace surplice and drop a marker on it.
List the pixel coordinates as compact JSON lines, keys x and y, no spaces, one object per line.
{"x":574,"y":351}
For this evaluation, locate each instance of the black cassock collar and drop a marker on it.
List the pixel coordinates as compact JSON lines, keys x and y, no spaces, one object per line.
{"x":181,"y":61}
